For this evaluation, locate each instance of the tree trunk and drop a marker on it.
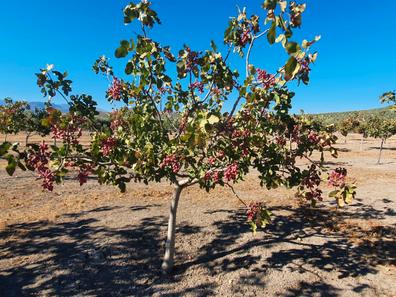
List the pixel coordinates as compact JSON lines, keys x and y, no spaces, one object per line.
{"x":380,"y":152}
{"x":167,"y":264}
{"x":27,"y":139}
{"x":361,"y":144}
{"x":5,"y":137}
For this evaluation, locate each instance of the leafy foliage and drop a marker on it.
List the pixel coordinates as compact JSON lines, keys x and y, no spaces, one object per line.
{"x":175,"y":128}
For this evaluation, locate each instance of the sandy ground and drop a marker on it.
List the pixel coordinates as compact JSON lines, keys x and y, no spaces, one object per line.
{"x":95,"y":241}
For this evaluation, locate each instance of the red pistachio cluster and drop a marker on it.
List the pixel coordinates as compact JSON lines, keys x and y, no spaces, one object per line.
{"x":313,"y":137}
{"x":39,"y":161}
{"x":231,"y":172}
{"x":192,"y":59}
{"x":83,"y":173}
{"x":197,"y":85}
{"x":108,"y":145}
{"x":267,"y":79}
{"x":280,"y":140}
{"x":304,"y":65}
{"x":70,"y":133}
{"x":337,"y":177}
{"x":115,"y":90}
{"x":295,"y":134}
{"x":253,"y":212}
{"x":164,"y":90}
{"x":116,"y":120}
{"x":115,"y":124}
{"x":171,"y":162}
{"x":245,"y":37}
{"x":311,"y":182}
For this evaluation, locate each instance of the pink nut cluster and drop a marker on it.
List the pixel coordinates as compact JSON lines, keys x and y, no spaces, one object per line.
{"x":197,"y":85}
{"x":108,"y":145}
{"x":115,"y":90}
{"x":253,"y":211}
{"x":337,"y":177}
{"x":39,"y":161}
{"x":267,"y":79}
{"x":69,"y":134}
{"x":171,"y":162}
{"x":313,"y":137}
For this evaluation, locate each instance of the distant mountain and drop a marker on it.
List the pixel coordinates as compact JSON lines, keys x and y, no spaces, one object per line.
{"x":40,"y":105}
{"x":60,"y":107}
{"x":37,"y":104}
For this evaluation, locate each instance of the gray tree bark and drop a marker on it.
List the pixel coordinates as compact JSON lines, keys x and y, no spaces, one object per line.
{"x":380,"y":152}
{"x":168,"y":261}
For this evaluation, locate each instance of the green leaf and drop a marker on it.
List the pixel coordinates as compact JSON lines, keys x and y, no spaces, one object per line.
{"x":283,"y":5}
{"x":121,"y":52}
{"x":213,"y":45}
{"x":292,"y":47}
{"x":11,"y":165}
{"x":4,"y":147}
{"x":213,"y":119}
{"x":271,"y":35}
{"x":269,"y":4}
{"x":21,"y":166}
{"x":290,"y":67}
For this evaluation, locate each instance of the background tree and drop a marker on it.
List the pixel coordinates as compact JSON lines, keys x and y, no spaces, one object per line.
{"x":348,"y":125}
{"x":210,"y":146}
{"x":383,"y":129}
{"x":389,"y":97}
{"x":36,"y":122}
{"x":362,"y":129}
{"x":12,"y":116}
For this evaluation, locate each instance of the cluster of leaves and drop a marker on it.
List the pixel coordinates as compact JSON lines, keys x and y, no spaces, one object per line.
{"x":12,"y":116}
{"x":348,"y":125}
{"x":175,"y":128}
{"x":378,"y":127}
{"x":389,"y":97}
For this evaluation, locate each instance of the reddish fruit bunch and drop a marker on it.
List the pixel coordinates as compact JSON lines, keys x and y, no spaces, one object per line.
{"x":171,"y":162}
{"x":245,"y":37}
{"x":108,"y":145}
{"x":83,"y":173}
{"x":253,"y":209}
{"x":192,"y":59}
{"x":267,"y":79}
{"x":231,"y":172}
{"x":337,"y":177}
{"x":197,"y":85}
{"x":39,"y":161}
{"x":295,"y":134}
{"x":313,"y":137}
{"x":69,"y":133}
{"x":115,"y":90}
{"x":311,"y":181}
{"x":304,"y":65}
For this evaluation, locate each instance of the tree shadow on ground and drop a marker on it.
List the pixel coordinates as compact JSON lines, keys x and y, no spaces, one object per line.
{"x":82,"y":257}
{"x":385,"y":148}
{"x":337,"y":252}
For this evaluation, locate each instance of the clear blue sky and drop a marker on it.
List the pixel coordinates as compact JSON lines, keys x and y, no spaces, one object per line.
{"x":356,"y":63}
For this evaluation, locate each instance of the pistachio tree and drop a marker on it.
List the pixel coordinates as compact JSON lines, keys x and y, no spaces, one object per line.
{"x":192,"y":119}
{"x":379,"y":127}
{"x":348,"y":125}
{"x":12,"y":116}
{"x":389,"y":97}
{"x":36,"y":123}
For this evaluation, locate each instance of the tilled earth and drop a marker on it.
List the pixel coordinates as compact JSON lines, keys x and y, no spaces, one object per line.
{"x":95,"y":241}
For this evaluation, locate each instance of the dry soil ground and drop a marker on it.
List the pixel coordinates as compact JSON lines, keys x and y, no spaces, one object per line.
{"x":94,"y":241}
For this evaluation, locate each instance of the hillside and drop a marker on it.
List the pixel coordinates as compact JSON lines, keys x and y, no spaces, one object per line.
{"x":334,"y":117}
